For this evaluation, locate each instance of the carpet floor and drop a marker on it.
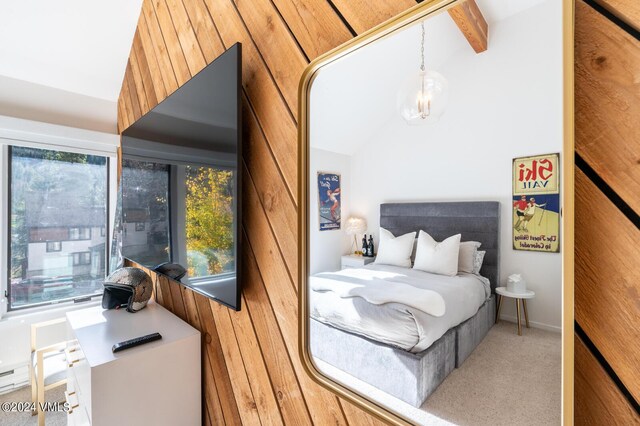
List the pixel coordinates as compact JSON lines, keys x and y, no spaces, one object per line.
{"x":507,"y":380}
{"x":55,"y":418}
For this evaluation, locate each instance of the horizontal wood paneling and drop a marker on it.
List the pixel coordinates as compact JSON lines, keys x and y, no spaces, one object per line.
{"x":363,"y":14}
{"x":251,"y":370}
{"x":267,"y":29}
{"x":159,"y":10}
{"x":626,"y":10}
{"x":314,"y":25}
{"x":607,"y":267}
{"x":265,"y":97}
{"x":608,"y":101}
{"x":142,"y":67}
{"x":598,"y":400}
{"x":608,"y":295}
{"x":153,"y":45}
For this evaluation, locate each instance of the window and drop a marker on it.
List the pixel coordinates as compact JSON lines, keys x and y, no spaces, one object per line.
{"x":55,"y":196}
{"x":209,"y":221}
{"x":54,"y":246}
{"x":102,"y":231}
{"x":79,"y":234}
{"x":83,"y":258}
{"x":145,"y":212}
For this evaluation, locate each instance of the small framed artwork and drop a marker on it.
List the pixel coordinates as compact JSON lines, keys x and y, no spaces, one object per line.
{"x":329,"y":201}
{"x":536,"y":203}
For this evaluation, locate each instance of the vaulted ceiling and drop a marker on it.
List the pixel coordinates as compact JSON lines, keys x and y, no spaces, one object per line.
{"x":65,"y":57}
{"x":361,"y":88}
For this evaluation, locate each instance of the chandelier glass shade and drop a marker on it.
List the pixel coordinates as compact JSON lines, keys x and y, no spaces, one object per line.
{"x":423,"y":96}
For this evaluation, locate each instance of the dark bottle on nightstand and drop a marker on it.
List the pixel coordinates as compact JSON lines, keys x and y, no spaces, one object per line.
{"x":370,"y":247}
{"x":365,"y":246}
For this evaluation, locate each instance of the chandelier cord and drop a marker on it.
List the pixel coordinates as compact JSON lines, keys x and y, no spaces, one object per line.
{"x":422,"y":49}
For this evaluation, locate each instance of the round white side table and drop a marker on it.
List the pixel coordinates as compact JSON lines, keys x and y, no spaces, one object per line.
{"x":519,"y":297}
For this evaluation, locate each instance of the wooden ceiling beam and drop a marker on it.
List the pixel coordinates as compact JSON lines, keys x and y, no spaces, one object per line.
{"x":469,"y":19}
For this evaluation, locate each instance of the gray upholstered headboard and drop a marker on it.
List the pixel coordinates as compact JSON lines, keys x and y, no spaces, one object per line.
{"x":475,"y":220}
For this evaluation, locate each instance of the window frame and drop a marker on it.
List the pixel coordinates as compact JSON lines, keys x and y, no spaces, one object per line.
{"x":53,"y":250}
{"x":81,"y":260}
{"x":84,"y":228}
{"x":24,"y":133}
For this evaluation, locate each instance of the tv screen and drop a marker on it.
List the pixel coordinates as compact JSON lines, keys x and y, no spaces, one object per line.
{"x":179,"y":195}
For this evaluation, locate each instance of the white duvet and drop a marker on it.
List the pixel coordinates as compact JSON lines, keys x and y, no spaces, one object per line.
{"x":402,"y":307}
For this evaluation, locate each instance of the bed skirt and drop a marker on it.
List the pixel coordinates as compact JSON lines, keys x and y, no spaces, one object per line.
{"x":407,"y":376}
{"x":470,"y":333}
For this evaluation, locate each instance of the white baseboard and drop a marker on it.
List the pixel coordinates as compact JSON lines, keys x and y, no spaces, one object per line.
{"x":536,"y":324}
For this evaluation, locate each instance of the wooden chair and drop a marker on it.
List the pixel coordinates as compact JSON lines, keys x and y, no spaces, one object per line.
{"x":47,"y":368}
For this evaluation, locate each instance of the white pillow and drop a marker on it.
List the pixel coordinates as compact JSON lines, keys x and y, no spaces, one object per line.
{"x":467,"y":255}
{"x":437,"y":258}
{"x":395,"y":251}
{"x":477,"y":261}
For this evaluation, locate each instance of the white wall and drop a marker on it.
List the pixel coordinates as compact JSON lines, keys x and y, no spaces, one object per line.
{"x":30,"y":101}
{"x":504,"y":103}
{"x":328,"y":246}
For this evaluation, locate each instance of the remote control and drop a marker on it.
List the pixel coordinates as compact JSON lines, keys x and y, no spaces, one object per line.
{"x":135,"y":342}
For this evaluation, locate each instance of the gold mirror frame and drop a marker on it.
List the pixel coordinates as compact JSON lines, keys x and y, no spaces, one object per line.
{"x":405,"y":19}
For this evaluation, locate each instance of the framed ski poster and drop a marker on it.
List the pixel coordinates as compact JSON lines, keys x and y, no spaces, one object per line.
{"x":329,"y":201}
{"x":536,"y":203}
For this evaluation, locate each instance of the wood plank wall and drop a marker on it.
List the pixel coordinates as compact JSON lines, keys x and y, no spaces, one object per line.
{"x":251,"y":370}
{"x":607,"y":288}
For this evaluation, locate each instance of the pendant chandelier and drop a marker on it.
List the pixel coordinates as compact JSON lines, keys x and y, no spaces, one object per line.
{"x":422,"y":98}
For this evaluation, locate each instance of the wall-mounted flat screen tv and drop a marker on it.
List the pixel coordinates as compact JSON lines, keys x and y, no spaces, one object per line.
{"x":180,"y":185}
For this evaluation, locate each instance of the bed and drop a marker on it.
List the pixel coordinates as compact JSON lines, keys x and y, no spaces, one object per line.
{"x":411,"y":363}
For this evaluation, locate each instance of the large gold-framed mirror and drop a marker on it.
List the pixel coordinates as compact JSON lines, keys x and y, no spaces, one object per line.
{"x":436,"y":216}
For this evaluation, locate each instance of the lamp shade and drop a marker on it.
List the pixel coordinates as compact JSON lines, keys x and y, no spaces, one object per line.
{"x":355,"y":225}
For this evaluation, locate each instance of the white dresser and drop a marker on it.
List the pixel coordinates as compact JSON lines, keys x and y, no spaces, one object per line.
{"x":157,"y":383}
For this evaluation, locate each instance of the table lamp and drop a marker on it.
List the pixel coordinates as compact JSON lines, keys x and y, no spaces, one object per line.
{"x":355,"y":226}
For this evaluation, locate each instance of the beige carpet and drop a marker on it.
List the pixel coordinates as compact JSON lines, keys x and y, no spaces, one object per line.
{"x":23,"y":419}
{"x":508,"y":380}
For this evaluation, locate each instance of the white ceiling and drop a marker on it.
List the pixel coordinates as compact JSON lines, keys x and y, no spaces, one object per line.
{"x":54,"y":50}
{"x":78,"y":46}
{"x":354,"y":97}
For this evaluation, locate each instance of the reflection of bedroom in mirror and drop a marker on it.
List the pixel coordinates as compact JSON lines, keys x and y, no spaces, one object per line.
{"x":434,"y":252}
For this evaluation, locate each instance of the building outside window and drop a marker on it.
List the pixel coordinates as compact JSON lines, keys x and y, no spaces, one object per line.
{"x":55,"y":196}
